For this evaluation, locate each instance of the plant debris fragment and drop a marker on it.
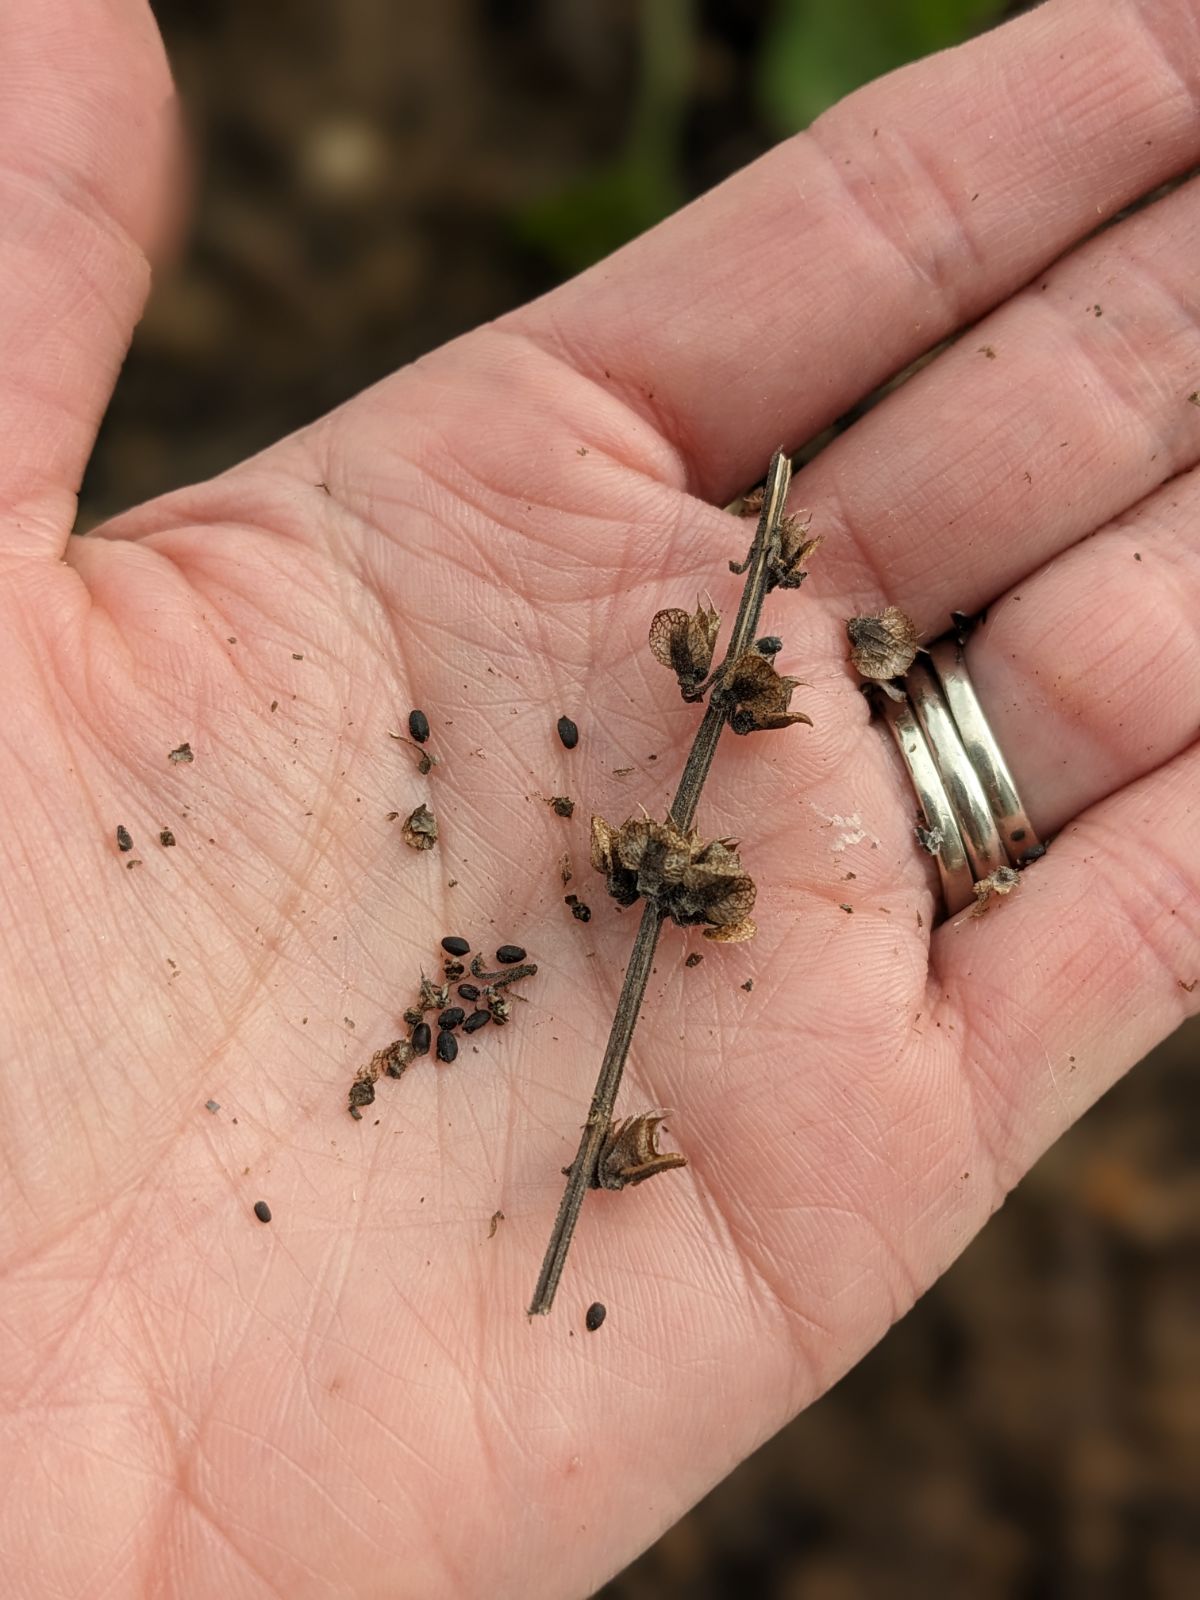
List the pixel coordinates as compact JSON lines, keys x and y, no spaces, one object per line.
{"x":420,"y":829}
{"x":562,"y":805}
{"x":181,"y":752}
{"x":166,"y":838}
{"x":581,"y":912}
{"x":1001,"y":881}
{"x":124,"y":838}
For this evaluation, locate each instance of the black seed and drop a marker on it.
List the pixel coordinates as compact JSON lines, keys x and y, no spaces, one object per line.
{"x":694,"y":959}
{"x":568,"y":732}
{"x":580,"y":912}
{"x":418,"y":726}
{"x":468,"y":991}
{"x":421,"y":1036}
{"x":262,"y":1211}
{"x":451,"y":1017}
{"x":454,"y":946}
{"x":769,"y":645}
{"x":124,"y":837}
{"x":596,"y":1314}
{"x":475,"y":1021}
{"x":508,"y":955}
{"x":447,"y":1046}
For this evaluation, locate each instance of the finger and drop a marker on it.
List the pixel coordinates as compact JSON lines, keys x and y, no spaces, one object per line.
{"x":1090,"y":963}
{"x":85,"y":142}
{"x":765,"y":309}
{"x":1087,"y":672}
{"x":1056,"y":413}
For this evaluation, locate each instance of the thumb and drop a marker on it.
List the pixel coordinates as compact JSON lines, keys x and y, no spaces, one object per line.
{"x":87,"y":147}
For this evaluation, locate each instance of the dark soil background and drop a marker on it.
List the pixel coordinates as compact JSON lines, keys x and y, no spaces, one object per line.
{"x":372,"y":178}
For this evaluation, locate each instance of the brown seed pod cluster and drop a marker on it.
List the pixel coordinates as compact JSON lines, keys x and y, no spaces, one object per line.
{"x":684,"y":642}
{"x":787,"y":570}
{"x":692,"y":880}
{"x":488,"y":999}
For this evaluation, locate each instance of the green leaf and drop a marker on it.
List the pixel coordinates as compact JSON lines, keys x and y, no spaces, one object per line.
{"x":816,"y":51}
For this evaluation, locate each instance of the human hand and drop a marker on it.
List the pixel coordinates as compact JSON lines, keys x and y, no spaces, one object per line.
{"x":351,"y":1401}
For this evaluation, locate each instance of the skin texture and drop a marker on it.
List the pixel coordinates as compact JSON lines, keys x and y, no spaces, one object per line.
{"x":350,"y":1401}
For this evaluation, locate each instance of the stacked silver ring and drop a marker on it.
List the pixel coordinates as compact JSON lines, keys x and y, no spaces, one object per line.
{"x":974,"y":819}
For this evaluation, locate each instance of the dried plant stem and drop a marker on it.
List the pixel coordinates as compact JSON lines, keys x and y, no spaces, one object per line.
{"x":682,"y":814}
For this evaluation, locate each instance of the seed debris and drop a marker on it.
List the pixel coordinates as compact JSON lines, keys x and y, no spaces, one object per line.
{"x":181,"y":752}
{"x":124,"y":837}
{"x":420,"y":829}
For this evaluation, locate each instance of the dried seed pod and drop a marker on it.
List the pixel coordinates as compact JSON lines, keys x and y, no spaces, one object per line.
{"x":499,"y":1009}
{"x":883,"y":646}
{"x":758,"y":696}
{"x":685,"y":644}
{"x":630,"y":1153}
{"x":795,"y":547}
{"x":433,"y":996}
{"x":693,"y":881}
{"x":420,"y":829}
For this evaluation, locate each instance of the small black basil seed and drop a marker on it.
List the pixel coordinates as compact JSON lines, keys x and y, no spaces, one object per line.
{"x":262,"y":1211}
{"x":475,"y":1021}
{"x":568,"y":732}
{"x":418,"y":726}
{"x":454,"y":946}
{"x":451,"y":1017}
{"x":447,"y":1046}
{"x":124,"y":837}
{"x":596,"y":1314}
{"x":509,"y":955}
{"x":769,"y":645}
{"x":468,"y":991}
{"x":421,"y":1036}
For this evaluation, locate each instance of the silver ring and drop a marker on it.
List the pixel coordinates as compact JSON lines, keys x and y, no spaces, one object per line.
{"x":941,"y":836}
{"x":984,"y":754}
{"x":985,"y":848}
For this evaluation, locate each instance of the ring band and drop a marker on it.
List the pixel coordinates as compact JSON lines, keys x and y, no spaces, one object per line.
{"x":980,"y":835}
{"x":982,"y":751}
{"x":942,"y":836}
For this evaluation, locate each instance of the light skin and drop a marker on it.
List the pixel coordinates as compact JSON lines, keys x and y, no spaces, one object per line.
{"x":351,"y":1401}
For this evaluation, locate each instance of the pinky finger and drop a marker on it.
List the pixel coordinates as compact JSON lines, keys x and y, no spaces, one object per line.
{"x":1059,"y":989}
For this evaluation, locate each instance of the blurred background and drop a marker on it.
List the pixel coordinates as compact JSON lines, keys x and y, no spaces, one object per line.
{"x":374,"y":177}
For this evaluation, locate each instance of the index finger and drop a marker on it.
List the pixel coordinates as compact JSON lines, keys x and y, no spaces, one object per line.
{"x":765,"y":309}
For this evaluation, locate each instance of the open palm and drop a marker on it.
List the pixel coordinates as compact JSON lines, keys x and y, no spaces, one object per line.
{"x":352,"y":1401}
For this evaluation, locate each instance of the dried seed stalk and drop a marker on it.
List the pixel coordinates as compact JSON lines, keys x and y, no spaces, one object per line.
{"x":769,"y":564}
